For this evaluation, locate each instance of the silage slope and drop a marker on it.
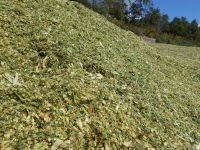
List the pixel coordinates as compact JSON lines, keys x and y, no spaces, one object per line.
{"x":87,"y":82}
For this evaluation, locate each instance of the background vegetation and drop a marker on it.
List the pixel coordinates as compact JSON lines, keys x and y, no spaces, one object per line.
{"x":141,"y":17}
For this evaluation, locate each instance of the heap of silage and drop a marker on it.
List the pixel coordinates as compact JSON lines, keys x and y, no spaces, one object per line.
{"x":71,"y":79}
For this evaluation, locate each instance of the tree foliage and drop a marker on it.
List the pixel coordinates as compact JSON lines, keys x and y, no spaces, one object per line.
{"x":136,"y":10}
{"x":116,"y":8}
{"x":193,"y":30}
{"x":179,"y":26}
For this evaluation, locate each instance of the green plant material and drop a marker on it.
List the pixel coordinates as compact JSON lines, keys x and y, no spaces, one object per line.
{"x":87,"y":84}
{"x":175,"y":39}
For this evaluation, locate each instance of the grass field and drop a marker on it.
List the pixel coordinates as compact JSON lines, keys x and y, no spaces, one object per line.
{"x":70,"y":79}
{"x":179,"y":52}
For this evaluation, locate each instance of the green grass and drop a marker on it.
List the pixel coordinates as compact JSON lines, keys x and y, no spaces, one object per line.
{"x":70,"y":78}
{"x":187,"y":53}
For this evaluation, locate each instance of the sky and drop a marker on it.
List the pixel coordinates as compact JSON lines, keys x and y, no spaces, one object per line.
{"x":177,"y":8}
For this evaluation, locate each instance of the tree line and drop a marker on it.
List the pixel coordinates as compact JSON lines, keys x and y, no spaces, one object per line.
{"x":142,"y":17}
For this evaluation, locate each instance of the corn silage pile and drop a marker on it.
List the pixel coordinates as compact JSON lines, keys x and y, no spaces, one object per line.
{"x":70,"y":79}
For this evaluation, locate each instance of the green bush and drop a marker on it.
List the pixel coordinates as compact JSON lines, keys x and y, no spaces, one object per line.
{"x":151,"y":32}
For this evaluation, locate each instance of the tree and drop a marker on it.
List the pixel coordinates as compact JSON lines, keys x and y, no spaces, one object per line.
{"x":136,"y":10}
{"x":164,"y":23}
{"x":153,"y":18}
{"x":116,"y":8}
{"x":179,"y":26}
{"x":144,"y":2}
{"x":198,"y":35}
{"x":193,"y":30}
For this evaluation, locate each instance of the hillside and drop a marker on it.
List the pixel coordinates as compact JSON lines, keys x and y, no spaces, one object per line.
{"x":71,"y":79}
